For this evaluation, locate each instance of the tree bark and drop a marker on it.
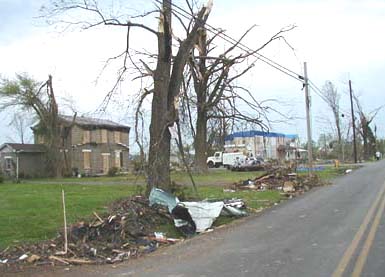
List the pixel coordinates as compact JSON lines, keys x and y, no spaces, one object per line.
{"x":167,"y":83}
{"x":200,"y":84}
{"x":159,"y":154}
{"x":200,"y":142}
{"x":55,"y":163}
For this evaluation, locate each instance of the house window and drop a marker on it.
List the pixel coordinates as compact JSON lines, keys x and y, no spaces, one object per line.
{"x":104,"y":135}
{"x":86,"y":136}
{"x":118,"y":159}
{"x":87,"y":159}
{"x":106,"y":162}
{"x":117,"y":137}
{"x":8,"y":163}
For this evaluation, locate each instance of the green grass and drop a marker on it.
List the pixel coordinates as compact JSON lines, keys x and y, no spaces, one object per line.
{"x":31,"y":212}
{"x":331,"y":172}
{"x":129,"y":178}
{"x":213,"y":177}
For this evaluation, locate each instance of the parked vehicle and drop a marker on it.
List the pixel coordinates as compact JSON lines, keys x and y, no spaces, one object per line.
{"x":225,"y":159}
{"x":250,"y":164}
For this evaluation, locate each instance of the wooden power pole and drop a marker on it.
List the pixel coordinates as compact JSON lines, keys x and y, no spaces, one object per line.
{"x":353,"y":122}
{"x":308,"y":122}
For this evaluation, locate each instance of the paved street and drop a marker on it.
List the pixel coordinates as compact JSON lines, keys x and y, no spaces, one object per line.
{"x":337,"y":230}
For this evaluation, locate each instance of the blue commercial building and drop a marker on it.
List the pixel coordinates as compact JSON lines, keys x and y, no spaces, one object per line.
{"x":268,"y":145}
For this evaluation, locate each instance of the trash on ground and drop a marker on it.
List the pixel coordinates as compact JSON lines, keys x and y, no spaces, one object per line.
{"x":23,"y":257}
{"x":125,"y":232}
{"x":282,"y":179}
{"x":160,"y":197}
{"x":203,"y":213}
{"x":195,"y":217}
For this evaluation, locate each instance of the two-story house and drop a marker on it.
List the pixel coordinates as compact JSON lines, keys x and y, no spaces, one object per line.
{"x":89,"y":146}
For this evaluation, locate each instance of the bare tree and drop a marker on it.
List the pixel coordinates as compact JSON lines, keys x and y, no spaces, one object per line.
{"x":215,"y":95}
{"x":167,"y":75}
{"x":20,"y":125}
{"x":364,"y":129}
{"x":332,"y":98}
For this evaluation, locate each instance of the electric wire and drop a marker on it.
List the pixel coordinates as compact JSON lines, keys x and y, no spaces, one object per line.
{"x":243,"y":47}
{"x":318,"y":91}
{"x":182,"y":12}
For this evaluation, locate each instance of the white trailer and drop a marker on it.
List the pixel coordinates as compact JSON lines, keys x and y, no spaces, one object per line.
{"x":225,"y":159}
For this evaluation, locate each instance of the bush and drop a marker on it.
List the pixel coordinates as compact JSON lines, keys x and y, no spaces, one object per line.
{"x":112,"y":171}
{"x":138,"y":166}
{"x":1,"y":177}
{"x":179,"y":191}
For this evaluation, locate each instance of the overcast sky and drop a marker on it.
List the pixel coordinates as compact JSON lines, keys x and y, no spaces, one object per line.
{"x":338,"y":39}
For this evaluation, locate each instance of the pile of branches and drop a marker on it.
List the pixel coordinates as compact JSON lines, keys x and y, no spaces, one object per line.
{"x":280,"y":179}
{"x":125,"y":232}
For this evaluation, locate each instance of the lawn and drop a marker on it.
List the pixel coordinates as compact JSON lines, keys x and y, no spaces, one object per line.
{"x":32,"y":212}
{"x":329,"y":171}
{"x":214,"y":177}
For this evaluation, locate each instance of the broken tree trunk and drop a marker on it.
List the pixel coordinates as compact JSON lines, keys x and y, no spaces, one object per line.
{"x":167,"y":82}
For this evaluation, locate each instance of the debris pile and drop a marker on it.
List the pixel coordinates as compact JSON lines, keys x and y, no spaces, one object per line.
{"x":282,"y":179}
{"x":195,"y":217}
{"x":126,"y":232}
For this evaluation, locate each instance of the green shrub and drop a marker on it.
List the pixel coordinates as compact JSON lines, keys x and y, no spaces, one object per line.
{"x":138,"y":165}
{"x":112,"y":171}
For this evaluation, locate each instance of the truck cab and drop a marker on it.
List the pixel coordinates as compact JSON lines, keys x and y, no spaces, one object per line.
{"x":216,"y":160}
{"x":225,"y":159}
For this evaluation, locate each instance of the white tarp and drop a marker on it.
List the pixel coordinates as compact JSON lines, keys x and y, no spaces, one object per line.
{"x":203,"y":213}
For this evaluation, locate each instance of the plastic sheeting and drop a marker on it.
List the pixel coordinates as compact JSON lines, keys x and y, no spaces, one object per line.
{"x":203,"y":213}
{"x":160,"y":197}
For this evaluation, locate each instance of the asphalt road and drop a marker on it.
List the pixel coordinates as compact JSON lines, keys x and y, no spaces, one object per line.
{"x":337,"y":230}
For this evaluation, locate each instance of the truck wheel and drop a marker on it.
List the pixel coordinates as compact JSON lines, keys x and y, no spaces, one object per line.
{"x":210,"y":164}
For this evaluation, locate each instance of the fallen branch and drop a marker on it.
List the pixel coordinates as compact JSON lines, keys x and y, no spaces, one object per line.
{"x":98,"y":217}
{"x":54,"y":258}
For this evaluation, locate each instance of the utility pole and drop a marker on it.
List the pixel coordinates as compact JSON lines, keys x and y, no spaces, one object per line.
{"x":353,"y":122}
{"x":309,"y":139}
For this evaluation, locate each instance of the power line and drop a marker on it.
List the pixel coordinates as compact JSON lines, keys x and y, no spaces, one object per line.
{"x":240,"y":45}
{"x":182,"y":12}
{"x":320,"y":94}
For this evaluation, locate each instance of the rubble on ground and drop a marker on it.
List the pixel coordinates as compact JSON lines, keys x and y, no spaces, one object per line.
{"x":282,"y":179}
{"x":125,"y":232}
{"x":195,"y":217}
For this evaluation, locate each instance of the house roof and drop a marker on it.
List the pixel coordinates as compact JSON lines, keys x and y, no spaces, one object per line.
{"x":24,"y":147}
{"x":254,"y":133}
{"x":90,"y":122}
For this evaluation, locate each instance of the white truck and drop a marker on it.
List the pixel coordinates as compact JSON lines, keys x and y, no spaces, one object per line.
{"x":226,"y":159}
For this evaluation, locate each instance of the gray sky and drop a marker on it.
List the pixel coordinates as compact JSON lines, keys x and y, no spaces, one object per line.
{"x":338,"y":39}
